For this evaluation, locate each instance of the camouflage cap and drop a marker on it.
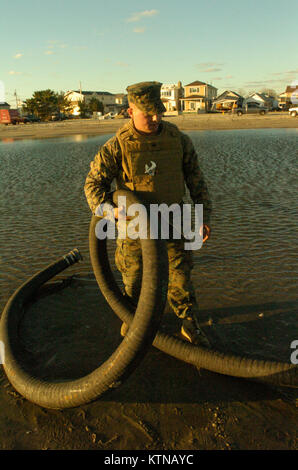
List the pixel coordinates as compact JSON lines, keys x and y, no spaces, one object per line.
{"x":146,"y":96}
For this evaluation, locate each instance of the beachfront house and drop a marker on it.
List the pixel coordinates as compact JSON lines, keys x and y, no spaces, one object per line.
{"x":227,"y":101}
{"x":289,"y":97}
{"x":170,"y":96}
{"x":198,"y":97}
{"x":4,"y":105}
{"x":262,"y":99}
{"x":76,"y":96}
{"x":121,"y":99}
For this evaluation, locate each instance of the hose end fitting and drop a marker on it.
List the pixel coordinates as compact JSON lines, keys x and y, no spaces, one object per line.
{"x":74,"y":256}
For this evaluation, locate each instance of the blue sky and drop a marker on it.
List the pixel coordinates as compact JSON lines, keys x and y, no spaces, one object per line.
{"x":247,"y":45}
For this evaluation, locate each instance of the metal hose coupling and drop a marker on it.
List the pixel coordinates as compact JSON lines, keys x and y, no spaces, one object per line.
{"x":74,"y":256}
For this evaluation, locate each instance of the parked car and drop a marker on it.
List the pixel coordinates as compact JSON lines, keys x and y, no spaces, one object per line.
{"x":251,"y":108}
{"x":293,"y":111}
{"x":32,"y":118}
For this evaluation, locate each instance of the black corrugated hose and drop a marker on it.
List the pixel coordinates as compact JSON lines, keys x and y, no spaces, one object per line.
{"x":143,"y":324}
{"x":121,"y":363}
{"x":271,"y":372}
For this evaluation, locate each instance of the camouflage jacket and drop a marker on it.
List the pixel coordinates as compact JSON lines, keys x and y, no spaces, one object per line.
{"x":107,"y":164}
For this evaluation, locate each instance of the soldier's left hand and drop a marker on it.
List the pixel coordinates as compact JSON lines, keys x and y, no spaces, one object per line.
{"x":206,"y":232}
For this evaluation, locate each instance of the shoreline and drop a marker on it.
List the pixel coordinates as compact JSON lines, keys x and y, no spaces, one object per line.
{"x":187,"y":122}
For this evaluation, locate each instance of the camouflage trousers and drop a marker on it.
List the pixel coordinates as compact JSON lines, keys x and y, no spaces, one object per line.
{"x":181,"y":297}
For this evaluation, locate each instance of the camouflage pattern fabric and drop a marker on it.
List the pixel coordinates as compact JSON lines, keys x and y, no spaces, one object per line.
{"x":146,"y":96}
{"x":107,"y":166}
{"x":181,"y":298}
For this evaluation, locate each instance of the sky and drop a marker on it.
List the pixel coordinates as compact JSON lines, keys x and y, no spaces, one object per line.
{"x":107,"y":45}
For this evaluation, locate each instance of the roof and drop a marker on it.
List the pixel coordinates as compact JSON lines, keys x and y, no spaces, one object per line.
{"x":197,"y":82}
{"x":89,"y":92}
{"x":93,"y":92}
{"x":263,"y":96}
{"x":228,"y":95}
{"x":291,"y":88}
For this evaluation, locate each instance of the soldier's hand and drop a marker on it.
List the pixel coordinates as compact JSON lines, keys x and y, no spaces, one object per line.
{"x":206,"y":232}
{"x":120,"y":211}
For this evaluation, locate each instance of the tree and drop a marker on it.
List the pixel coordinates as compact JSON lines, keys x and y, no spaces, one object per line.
{"x":43,"y":104}
{"x":270,"y":92}
{"x":84,"y":109}
{"x":64,"y":105}
{"x":95,"y":105}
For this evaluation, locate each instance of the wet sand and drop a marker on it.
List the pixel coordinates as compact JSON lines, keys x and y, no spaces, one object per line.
{"x":164,"y":405}
{"x":93,"y":127}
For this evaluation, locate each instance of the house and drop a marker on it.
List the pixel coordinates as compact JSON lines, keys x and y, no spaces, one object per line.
{"x":121,"y":99}
{"x":198,"y":97}
{"x":289,"y":97}
{"x":227,"y":100}
{"x":262,"y":99}
{"x":170,"y":96}
{"x":4,"y":105}
{"x":106,"y":98}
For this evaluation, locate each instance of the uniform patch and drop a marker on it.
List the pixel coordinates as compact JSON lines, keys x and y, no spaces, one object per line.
{"x":150,"y":169}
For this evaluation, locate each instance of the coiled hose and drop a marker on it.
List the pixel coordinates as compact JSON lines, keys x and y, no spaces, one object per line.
{"x":271,"y":372}
{"x":121,"y":363}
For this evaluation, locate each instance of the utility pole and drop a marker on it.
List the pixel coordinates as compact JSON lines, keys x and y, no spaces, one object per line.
{"x":15,"y":94}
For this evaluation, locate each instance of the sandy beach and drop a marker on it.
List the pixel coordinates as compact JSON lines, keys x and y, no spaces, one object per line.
{"x":187,"y":122}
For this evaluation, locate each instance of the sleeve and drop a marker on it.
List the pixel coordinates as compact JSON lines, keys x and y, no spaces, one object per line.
{"x":194,"y":178}
{"x":103,"y":169}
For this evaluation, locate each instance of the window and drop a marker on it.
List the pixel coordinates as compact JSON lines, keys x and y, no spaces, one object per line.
{"x":194,"y":90}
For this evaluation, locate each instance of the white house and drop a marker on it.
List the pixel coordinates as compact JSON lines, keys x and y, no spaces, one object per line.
{"x":170,"y":95}
{"x":262,"y":99}
{"x":75,"y":97}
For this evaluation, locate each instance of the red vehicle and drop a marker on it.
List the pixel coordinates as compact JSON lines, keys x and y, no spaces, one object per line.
{"x":11,"y":116}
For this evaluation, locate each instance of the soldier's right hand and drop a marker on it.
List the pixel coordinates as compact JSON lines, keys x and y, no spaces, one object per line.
{"x":120,"y":211}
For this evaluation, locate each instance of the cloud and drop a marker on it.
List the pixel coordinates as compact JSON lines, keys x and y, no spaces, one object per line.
{"x":285,"y":73}
{"x":122,"y":64}
{"x":18,"y":55}
{"x":55,"y":43}
{"x":142,"y":14}
{"x":264,"y":82}
{"x":209,"y":67}
{"x":212,"y":69}
{"x":139,"y":30}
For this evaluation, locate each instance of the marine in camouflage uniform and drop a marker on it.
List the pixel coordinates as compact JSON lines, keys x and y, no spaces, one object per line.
{"x":122,"y":158}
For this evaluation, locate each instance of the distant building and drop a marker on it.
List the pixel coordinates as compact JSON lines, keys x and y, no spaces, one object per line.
{"x":262,"y":99}
{"x":171,"y":95}
{"x":121,"y":99}
{"x":198,"y":97}
{"x":227,"y":100}
{"x":75,"y":97}
{"x":4,"y":105}
{"x":289,"y":97}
